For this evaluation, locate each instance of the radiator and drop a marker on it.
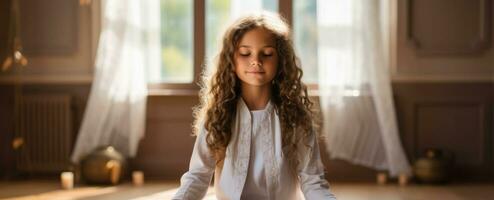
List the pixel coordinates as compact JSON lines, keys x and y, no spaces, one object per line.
{"x":44,"y":127}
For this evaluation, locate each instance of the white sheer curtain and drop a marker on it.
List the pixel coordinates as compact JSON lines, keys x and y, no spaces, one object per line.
{"x":116,"y":110}
{"x":354,"y":84}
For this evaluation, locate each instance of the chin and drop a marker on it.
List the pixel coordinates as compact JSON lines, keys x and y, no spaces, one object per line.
{"x":256,"y":83}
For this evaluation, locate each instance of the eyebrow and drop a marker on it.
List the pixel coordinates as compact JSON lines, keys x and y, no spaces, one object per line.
{"x":247,"y":46}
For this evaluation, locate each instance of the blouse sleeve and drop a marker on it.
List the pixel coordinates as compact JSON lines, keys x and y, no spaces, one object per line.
{"x":195,"y":182}
{"x":312,"y":180}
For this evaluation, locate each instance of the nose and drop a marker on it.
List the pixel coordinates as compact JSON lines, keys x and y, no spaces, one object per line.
{"x":256,"y":61}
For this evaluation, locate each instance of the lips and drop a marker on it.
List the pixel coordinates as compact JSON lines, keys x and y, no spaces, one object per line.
{"x":255,"y":72}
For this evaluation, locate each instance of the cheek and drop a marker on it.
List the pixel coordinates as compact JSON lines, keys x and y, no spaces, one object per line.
{"x":241,"y":62}
{"x":273,"y":63}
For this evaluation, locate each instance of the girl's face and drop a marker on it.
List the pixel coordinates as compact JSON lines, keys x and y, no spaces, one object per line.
{"x":256,"y":58}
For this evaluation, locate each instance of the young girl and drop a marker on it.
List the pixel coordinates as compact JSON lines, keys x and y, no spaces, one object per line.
{"x":254,"y":125}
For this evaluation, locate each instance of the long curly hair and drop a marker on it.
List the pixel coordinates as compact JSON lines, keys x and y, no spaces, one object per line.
{"x":220,"y":92}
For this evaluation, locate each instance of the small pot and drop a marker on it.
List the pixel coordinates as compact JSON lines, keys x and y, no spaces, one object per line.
{"x":105,"y":165}
{"x":433,"y":167}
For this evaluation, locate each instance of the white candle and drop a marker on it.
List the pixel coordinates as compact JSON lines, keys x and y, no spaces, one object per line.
{"x":138,"y":178}
{"x":67,"y":180}
{"x":403,"y":179}
{"x":382,"y":178}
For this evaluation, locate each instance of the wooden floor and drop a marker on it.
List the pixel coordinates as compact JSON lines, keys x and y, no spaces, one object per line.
{"x":164,"y":190}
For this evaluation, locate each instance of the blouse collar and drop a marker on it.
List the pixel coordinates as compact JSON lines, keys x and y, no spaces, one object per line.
{"x":244,"y":109}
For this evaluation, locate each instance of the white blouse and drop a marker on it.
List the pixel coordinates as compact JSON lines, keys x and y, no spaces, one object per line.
{"x":254,"y":167}
{"x":255,"y":183}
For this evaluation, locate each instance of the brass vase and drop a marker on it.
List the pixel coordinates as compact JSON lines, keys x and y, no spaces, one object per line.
{"x":433,"y":167}
{"x":105,"y":165}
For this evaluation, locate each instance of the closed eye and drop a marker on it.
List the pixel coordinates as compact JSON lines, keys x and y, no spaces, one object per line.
{"x":268,"y":52}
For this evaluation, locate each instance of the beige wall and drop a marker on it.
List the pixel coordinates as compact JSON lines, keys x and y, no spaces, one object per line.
{"x":443,"y":41}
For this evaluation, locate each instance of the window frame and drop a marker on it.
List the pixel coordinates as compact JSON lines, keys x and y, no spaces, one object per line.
{"x":285,"y":8}
{"x":198,"y":46}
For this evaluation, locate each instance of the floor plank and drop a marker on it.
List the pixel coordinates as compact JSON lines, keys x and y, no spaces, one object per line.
{"x":24,"y":190}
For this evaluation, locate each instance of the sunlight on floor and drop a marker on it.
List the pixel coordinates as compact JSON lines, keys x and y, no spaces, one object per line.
{"x":79,"y":193}
{"x":169,"y":194}
{"x":41,"y":190}
{"x":49,"y":190}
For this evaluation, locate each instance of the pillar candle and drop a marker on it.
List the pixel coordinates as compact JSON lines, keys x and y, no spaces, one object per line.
{"x":382,"y":178}
{"x":403,"y":179}
{"x":138,"y":178}
{"x":67,"y":180}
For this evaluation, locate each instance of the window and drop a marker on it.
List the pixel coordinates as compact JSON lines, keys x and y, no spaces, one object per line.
{"x":310,"y":19}
{"x":322,"y":35}
{"x":176,"y":42}
{"x":305,"y":37}
{"x":177,"y":34}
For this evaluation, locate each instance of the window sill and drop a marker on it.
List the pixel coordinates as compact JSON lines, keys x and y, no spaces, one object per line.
{"x":172,"y":92}
{"x":195,"y":92}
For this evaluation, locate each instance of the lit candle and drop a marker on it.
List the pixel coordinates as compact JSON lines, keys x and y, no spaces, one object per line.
{"x":67,"y":180}
{"x":138,"y":178}
{"x":382,"y":178}
{"x":403,"y":179}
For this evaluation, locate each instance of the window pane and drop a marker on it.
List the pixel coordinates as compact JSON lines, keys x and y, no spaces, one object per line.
{"x":177,"y":41}
{"x":337,"y":43}
{"x":322,"y":32}
{"x":220,"y":12}
{"x":305,"y":37}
